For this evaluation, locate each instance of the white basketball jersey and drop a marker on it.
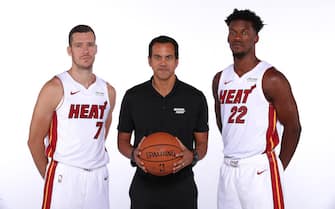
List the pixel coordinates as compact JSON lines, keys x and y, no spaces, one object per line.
{"x":77,"y":132}
{"x":249,"y":123}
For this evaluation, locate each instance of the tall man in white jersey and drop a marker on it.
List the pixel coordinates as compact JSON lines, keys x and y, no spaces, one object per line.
{"x":252,"y":99}
{"x":68,"y":130}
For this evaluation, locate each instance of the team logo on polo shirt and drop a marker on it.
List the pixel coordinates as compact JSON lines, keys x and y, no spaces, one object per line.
{"x":179,"y":110}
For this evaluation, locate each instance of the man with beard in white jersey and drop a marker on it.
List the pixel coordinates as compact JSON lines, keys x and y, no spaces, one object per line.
{"x":68,"y":130}
{"x":252,"y":100}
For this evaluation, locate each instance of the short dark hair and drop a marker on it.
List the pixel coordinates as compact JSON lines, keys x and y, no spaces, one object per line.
{"x":164,"y":39}
{"x":80,"y":29}
{"x":246,"y":15}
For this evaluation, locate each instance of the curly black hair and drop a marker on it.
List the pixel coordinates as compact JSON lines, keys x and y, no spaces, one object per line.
{"x":246,"y":15}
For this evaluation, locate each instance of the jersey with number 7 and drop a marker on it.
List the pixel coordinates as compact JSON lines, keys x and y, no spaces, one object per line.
{"x":77,"y":132}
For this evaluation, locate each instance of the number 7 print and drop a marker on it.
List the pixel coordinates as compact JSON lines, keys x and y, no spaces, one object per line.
{"x":99,"y":125}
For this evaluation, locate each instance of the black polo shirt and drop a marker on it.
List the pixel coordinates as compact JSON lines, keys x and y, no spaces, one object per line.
{"x":181,"y":113}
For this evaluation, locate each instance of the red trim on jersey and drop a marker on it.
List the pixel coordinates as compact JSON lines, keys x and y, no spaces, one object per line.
{"x":52,"y":136}
{"x":48,"y":186}
{"x":272,"y":138}
{"x":278,"y":200}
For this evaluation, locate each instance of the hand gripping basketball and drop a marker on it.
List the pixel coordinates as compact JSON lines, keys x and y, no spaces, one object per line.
{"x":159,"y":153}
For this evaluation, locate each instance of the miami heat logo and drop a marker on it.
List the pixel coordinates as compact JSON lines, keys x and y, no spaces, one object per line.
{"x":236,"y":96}
{"x":89,"y":111}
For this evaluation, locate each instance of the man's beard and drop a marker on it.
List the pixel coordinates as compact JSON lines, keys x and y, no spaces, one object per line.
{"x":239,"y":55}
{"x":84,"y":66}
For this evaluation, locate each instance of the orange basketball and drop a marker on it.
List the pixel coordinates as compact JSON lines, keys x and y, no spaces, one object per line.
{"x":158,"y":153}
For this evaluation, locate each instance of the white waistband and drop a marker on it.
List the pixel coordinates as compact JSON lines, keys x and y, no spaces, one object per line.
{"x":253,"y":159}
{"x":84,"y":169}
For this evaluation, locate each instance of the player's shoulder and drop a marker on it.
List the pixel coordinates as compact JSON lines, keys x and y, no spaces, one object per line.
{"x":274,"y":81}
{"x":110,"y":88}
{"x":217,"y":77}
{"x":272,"y":74}
{"x":111,"y":93}
{"x":227,"y":69}
{"x":102,"y":81}
{"x":99,"y":80}
{"x":53,"y":83}
{"x":227,"y":72}
{"x":52,"y":90}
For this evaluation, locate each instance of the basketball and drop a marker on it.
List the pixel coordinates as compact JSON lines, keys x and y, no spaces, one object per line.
{"x":158,"y":153}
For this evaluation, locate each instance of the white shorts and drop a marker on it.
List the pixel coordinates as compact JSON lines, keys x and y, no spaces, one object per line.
{"x":251,"y":183}
{"x":76,"y":188}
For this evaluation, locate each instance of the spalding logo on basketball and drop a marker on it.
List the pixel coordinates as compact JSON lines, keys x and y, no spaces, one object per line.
{"x":158,"y":153}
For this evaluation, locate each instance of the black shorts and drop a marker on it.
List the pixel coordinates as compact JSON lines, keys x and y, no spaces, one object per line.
{"x":178,"y":193}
